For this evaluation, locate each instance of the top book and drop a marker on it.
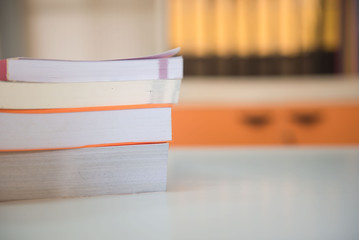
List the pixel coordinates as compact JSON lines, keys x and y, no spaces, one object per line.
{"x":161,"y":66}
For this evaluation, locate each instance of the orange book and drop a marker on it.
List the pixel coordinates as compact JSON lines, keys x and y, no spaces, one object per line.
{"x":39,"y":130}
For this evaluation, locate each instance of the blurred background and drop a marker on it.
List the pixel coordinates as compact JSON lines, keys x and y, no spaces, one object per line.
{"x":266,"y":37}
{"x":257,"y":72}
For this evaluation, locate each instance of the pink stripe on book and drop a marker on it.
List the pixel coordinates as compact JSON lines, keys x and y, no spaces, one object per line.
{"x":3,"y":70}
{"x":163,"y":69}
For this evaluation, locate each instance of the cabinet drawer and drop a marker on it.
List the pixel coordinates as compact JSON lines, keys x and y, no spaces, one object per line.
{"x":322,"y":125}
{"x":225,"y":126}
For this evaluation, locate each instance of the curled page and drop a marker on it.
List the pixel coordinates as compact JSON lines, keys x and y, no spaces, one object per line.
{"x":166,"y":54}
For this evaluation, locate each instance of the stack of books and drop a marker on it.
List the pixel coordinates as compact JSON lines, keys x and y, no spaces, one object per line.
{"x":85,"y":128}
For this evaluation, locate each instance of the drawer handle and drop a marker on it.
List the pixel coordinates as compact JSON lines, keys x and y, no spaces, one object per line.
{"x":256,"y":120}
{"x":307,"y":119}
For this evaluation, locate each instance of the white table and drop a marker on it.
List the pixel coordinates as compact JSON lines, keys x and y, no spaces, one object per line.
{"x":223,"y":193}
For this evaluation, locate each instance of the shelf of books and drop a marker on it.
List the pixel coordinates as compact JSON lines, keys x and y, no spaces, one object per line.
{"x":265,"y":37}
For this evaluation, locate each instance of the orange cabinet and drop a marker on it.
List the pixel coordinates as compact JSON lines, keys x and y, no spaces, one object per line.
{"x":322,"y":124}
{"x":225,"y":126}
{"x":258,"y":125}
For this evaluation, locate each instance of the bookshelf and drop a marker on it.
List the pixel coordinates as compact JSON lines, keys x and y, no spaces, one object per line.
{"x":266,"y":37}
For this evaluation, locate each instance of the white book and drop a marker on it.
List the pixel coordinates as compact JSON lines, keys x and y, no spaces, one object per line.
{"x":58,"y":130}
{"x":20,"y":95}
{"x":83,"y":172}
{"x":161,"y":66}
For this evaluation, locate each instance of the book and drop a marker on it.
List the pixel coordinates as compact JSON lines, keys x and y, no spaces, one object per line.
{"x":20,"y":95}
{"x":74,"y":128}
{"x":160,"y":66}
{"x":225,"y":37}
{"x":83,"y":172}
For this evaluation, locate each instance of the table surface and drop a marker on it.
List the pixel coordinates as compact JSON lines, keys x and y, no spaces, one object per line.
{"x":221,"y":193}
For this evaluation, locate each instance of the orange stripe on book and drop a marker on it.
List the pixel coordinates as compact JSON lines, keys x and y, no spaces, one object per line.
{"x":85,"y":109}
{"x":86,"y":146}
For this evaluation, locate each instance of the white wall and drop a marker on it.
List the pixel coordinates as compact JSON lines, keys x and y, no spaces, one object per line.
{"x":95,"y":29}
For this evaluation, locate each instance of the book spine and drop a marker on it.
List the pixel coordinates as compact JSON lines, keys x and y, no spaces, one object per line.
{"x":330,"y":36}
{"x":289,"y":38}
{"x":3,"y":70}
{"x":267,"y":24}
{"x":225,"y":27}
{"x":246,"y":37}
